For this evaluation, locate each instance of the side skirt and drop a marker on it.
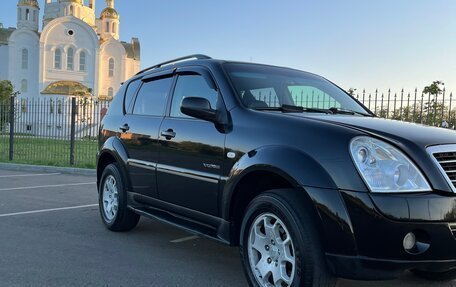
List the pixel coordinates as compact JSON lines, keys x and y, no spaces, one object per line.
{"x":190,"y":220}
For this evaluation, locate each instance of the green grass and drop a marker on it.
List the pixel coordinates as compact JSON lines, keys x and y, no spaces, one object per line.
{"x":30,"y":150}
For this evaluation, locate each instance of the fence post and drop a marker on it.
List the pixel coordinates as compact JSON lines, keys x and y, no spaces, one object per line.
{"x":73,"y":129}
{"x":11,"y":131}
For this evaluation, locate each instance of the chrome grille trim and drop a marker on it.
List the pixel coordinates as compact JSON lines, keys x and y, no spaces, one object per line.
{"x":448,"y":159}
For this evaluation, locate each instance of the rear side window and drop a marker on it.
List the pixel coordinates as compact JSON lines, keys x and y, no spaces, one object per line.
{"x":132,"y":87}
{"x":151,"y":98}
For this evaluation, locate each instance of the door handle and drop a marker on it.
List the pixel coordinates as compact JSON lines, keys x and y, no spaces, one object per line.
{"x":124,"y":128}
{"x":168,"y":134}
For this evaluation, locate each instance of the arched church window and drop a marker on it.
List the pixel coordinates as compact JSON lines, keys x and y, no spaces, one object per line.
{"x":58,"y":59}
{"x":70,"y":59}
{"x":24,"y":59}
{"x":24,"y":86}
{"x":82,"y":61}
{"x":111,"y":68}
{"x":107,"y":27}
{"x":71,"y":10}
{"x":27,"y":14}
{"x":110,"y":92}
{"x":114,"y":29}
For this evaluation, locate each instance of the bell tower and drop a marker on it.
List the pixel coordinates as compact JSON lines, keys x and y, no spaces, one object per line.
{"x":110,"y":21}
{"x":28,"y":12}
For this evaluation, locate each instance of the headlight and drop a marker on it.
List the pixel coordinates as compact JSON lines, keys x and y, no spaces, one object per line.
{"x":384,"y":168}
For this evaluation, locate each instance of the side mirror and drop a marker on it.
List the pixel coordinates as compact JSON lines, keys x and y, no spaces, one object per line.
{"x":199,"y":108}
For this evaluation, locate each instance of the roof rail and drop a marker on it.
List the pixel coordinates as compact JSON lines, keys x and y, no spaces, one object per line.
{"x":194,"y":56}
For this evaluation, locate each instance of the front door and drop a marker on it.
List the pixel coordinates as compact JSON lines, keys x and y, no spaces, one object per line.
{"x":191,"y":150}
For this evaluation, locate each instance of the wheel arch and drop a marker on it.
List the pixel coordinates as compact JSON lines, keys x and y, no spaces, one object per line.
{"x":267,"y":168}
{"x":112,"y":151}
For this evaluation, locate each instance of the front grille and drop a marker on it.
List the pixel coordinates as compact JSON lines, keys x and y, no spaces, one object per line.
{"x":453,"y":228}
{"x":445,"y":158}
{"x":447,"y":161}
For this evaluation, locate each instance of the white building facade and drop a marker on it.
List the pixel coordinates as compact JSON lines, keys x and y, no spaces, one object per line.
{"x":75,"y":53}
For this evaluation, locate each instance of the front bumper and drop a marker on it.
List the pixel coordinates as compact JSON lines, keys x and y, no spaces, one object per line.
{"x":365,"y":268}
{"x":364,"y":233}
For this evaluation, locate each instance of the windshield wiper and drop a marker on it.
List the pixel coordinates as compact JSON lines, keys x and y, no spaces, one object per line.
{"x":299,"y":109}
{"x":343,"y":111}
{"x":293,"y":109}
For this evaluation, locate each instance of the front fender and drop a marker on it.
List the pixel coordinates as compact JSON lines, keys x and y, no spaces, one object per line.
{"x":306,"y":175}
{"x":294,"y":165}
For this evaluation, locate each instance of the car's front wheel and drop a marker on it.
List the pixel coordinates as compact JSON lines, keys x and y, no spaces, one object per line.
{"x":112,"y":201}
{"x":280,"y":246}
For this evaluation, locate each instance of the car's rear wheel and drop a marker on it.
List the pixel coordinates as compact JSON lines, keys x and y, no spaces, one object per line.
{"x":280,"y":245}
{"x":436,"y":276}
{"x":112,"y":201}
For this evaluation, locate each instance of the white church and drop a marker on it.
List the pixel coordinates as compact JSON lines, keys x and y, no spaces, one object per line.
{"x":75,"y":52}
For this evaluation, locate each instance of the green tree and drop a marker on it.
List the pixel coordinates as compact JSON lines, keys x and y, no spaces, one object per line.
{"x":6,"y":90}
{"x":351,"y":91}
{"x":433,"y":109}
{"x":6,"y":94}
{"x":434,"y":88}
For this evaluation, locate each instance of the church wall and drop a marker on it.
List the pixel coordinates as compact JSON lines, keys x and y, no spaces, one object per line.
{"x":81,"y":41}
{"x":20,"y":40}
{"x":131,"y":68}
{"x":4,"y":52}
{"x":111,"y":50}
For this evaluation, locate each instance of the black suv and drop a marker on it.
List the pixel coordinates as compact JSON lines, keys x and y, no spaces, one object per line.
{"x":286,"y":165}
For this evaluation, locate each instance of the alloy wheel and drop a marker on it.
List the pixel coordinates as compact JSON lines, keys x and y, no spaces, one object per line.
{"x":110,"y":198}
{"x":271,"y":252}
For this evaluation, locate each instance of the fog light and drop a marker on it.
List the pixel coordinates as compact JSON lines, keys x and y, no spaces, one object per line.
{"x":409,"y":241}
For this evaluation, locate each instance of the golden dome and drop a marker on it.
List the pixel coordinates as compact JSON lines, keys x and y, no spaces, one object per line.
{"x":33,"y":3}
{"x":109,"y":13}
{"x":66,"y":88}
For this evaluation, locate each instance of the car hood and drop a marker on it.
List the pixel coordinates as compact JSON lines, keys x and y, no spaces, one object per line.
{"x":396,"y":131}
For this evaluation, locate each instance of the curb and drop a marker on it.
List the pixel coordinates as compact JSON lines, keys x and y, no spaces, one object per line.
{"x":44,"y":168}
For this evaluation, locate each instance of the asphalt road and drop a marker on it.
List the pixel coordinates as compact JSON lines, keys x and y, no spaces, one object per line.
{"x":51,"y":235}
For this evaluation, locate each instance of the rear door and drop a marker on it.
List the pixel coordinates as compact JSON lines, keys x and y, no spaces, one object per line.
{"x":140,"y":131}
{"x":191,"y":150}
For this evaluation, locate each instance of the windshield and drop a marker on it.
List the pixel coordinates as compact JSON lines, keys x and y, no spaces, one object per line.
{"x":266,"y":87}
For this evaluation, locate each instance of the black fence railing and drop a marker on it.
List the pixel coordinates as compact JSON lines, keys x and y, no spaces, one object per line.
{"x":50,"y":131}
{"x":63,"y":131}
{"x":417,"y":107}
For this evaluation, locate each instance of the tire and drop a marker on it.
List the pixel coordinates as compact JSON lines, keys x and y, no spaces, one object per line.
{"x":112,"y":201}
{"x":436,"y":276}
{"x":296,"y":248}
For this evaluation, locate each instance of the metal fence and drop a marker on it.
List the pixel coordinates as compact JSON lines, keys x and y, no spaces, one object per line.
{"x":63,"y":131}
{"x":417,"y":107}
{"x":50,"y":131}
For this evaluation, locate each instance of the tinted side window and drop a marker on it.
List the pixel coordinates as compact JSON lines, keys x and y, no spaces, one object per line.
{"x":151,"y":98}
{"x":132,"y":87}
{"x":115,"y":107}
{"x":191,"y":86}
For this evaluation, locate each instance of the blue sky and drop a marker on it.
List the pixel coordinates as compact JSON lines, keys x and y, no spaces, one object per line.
{"x":355,"y":43}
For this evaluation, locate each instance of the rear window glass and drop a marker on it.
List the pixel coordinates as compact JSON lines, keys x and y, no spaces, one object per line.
{"x":151,"y":98}
{"x":131,"y":89}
